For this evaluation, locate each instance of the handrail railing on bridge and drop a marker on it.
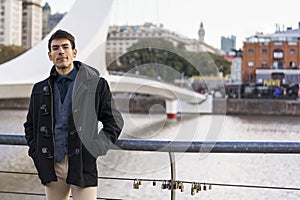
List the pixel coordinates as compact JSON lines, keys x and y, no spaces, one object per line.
{"x":185,"y":146}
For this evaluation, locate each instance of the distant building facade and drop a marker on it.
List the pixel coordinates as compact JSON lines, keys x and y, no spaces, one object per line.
{"x":31,"y":23}
{"x":228,"y":44}
{"x":25,"y":22}
{"x":272,"y":56}
{"x":11,"y":22}
{"x":21,"y":22}
{"x":46,"y":15}
{"x":236,"y":67}
{"x":50,"y":20}
{"x":120,"y":38}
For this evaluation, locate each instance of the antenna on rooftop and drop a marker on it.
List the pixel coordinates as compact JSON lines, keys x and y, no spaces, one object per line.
{"x":277,"y":28}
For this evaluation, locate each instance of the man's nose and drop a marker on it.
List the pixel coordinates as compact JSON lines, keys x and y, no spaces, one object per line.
{"x":61,"y":50}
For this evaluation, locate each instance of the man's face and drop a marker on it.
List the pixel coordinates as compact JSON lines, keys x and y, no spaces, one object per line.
{"x":62,"y":55}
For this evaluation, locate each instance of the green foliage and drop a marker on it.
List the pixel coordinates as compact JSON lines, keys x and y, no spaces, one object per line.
{"x":222,"y":64}
{"x":151,"y":42}
{"x":9,"y":52}
{"x":164,"y":53}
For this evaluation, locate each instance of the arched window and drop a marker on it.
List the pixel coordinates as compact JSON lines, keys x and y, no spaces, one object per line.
{"x":292,"y":51}
{"x":278,"y":54}
{"x":250,"y":51}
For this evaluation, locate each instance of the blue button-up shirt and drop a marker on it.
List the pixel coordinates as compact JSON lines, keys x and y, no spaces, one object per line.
{"x":70,"y":77}
{"x":63,"y":109}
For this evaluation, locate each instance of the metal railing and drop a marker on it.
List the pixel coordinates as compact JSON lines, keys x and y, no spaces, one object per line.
{"x":186,"y":146}
{"x":172,"y":147}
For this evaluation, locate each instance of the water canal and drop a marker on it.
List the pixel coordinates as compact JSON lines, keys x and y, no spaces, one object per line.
{"x":248,"y":169}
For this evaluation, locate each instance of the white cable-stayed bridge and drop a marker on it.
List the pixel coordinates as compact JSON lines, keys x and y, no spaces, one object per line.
{"x":18,"y":75}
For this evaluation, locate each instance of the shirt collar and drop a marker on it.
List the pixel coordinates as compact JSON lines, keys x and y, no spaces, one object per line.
{"x":71,"y":76}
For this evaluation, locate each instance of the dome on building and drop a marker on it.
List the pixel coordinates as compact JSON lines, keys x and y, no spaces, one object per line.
{"x":46,"y":7}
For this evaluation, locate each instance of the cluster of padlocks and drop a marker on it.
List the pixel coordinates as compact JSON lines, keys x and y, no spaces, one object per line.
{"x":168,"y":184}
{"x":197,"y":187}
{"x":175,"y":185}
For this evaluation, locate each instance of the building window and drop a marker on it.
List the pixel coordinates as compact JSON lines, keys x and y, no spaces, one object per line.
{"x":250,"y":64}
{"x":264,"y":64}
{"x":275,"y":65}
{"x":292,"y":78}
{"x":292,"y":64}
{"x":278,"y":43}
{"x":292,"y":51}
{"x":237,"y":66}
{"x":278,"y":54}
{"x":250,"y":77}
{"x":264,"y":51}
{"x":276,"y":75}
{"x":278,"y":65}
{"x":250,"y":51}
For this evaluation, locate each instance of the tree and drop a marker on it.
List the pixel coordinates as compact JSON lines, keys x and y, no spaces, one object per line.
{"x":222,"y":64}
{"x":9,"y":52}
{"x":164,"y":53}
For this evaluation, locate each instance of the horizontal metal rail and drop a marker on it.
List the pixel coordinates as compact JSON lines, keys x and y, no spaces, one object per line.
{"x":185,"y":146}
{"x":191,"y":147}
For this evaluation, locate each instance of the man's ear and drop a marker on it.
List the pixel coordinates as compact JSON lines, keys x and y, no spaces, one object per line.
{"x":74,"y":53}
{"x":49,"y":55}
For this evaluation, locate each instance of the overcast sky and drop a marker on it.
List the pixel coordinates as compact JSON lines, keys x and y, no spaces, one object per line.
{"x":220,"y":17}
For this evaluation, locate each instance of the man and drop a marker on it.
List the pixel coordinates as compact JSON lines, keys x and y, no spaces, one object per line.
{"x":61,"y":128}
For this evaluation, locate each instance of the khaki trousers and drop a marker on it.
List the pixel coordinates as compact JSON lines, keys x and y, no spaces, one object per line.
{"x":60,"y":190}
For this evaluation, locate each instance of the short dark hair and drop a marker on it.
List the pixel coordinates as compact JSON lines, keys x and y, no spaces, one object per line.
{"x":61,"y":34}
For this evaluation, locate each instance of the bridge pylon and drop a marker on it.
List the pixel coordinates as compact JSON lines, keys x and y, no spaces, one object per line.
{"x":171,"y":108}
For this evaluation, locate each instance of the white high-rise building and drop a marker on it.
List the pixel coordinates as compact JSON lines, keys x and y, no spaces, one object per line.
{"x":11,"y":22}
{"x":32,"y":23}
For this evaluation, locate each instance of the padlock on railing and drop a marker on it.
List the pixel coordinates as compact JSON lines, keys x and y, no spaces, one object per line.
{"x":176,"y":185}
{"x":193,"y":189}
{"x":181,"y":186}
{"x":164,"y":185}
{"x":198,"y":187}
{"x":154,"y":183}
{"x":169,"y":185}
{"x":136,"y":184}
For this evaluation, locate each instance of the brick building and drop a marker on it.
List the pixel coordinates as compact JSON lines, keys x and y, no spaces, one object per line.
{"x":272,"y":56}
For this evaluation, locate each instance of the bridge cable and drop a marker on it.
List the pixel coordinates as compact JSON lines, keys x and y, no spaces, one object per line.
{"x":181,"y":181}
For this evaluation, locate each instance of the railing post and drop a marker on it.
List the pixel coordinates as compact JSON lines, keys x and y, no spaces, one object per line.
{"x":173,"y":175}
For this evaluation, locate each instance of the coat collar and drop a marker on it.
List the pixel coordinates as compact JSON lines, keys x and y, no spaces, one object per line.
{"x":85,"y":72}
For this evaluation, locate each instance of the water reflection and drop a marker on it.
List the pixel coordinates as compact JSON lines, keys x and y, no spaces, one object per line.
{"x":253,"y":169}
